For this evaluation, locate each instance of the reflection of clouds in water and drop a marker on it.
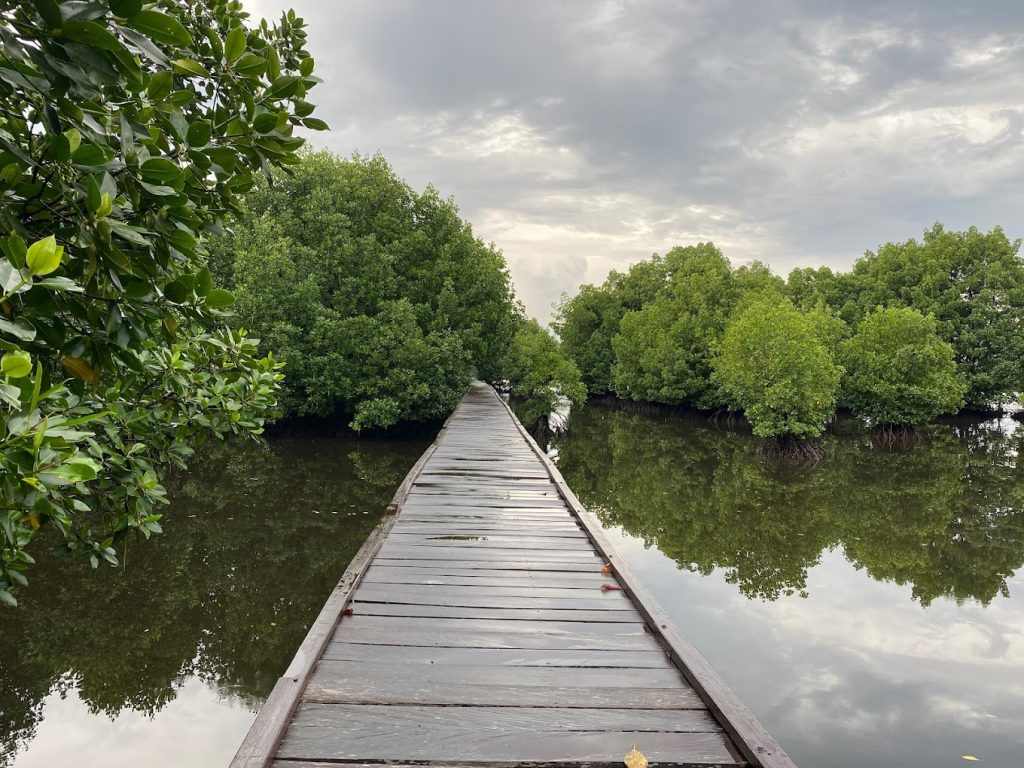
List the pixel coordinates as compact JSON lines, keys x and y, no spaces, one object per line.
{"x":857,"y":672}
{"x":214,"y":725}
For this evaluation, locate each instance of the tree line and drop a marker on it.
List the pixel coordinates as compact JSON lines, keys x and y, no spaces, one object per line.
{"x":914,"y":330}
{"x":157,"y":219}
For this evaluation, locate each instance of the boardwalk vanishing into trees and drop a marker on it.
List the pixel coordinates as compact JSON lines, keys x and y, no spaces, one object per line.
{"x":479,"y":625}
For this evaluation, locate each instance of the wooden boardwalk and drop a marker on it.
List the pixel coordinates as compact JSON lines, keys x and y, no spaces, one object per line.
{"x":475,"y":627}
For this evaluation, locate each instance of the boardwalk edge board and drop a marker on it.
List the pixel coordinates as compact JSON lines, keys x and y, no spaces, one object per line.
{"x":758,"y":746}
{"x":484,"y":578}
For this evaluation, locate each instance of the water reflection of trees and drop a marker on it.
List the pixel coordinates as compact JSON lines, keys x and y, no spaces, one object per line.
{"x":946,"y":517}
{"x":226,"y":594}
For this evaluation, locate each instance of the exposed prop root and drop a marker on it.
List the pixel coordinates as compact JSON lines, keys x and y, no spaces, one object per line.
{"x":897,"y":436}
{"x":792,"y":450}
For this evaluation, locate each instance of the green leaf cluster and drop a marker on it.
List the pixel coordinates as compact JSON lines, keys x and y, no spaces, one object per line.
{"x":128,"y":132}
{"x":972,"y":282}
{"x":774,"y":365}
{"x":899,"y":371}
{"x":540,"y":374}
{"x":380,"y":300}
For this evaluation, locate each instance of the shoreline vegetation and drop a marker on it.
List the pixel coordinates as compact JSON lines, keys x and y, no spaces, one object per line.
{"x":914,"y":331}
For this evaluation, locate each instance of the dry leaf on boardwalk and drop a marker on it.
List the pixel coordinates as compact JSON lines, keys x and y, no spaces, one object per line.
{"x":607,"y":569}
{"x":611,"y":587}
{"x":635,"y":759}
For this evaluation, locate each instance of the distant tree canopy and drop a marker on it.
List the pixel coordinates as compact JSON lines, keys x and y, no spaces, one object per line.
{"x":380,"y":300}
{"x":653,"y":332}
{"x":540,"y":374}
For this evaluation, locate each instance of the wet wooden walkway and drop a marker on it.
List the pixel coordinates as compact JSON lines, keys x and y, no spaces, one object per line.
{"x":476,"y":628}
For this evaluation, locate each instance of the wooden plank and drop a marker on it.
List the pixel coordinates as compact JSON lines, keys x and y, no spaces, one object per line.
{"x":472,"y":551}
{"x":546,"y":546}
{"x":548,"y":628}
{"x":505,"y":657}
{"x":345,"y":732}
{"x":437,"y":523}
{"x":445,"y":563}
{"x":496,"y":596}
{"x":460,"y":612}
{"x":353,"y":683}
{"x":424,"y":637}
{"x":432,"y":500}
{"x":468,"y":577}
{"x":494,"y":592}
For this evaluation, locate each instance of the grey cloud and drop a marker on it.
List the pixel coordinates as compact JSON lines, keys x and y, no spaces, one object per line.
{"x":582,"y":135}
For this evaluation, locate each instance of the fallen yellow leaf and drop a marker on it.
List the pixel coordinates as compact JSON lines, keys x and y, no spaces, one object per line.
{"x":635,"y":759}
{"x":81,"y":369}
{"x":606,"y":570}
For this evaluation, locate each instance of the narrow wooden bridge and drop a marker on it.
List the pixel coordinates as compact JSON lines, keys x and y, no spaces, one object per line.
{"x":479,"y":626}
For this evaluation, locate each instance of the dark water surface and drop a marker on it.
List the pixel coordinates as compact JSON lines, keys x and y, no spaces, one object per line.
{"x":870,"y":611}
{"x":166,"y":662}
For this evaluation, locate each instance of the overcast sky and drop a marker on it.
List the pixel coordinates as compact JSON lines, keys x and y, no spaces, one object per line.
{"x":583,"y":135}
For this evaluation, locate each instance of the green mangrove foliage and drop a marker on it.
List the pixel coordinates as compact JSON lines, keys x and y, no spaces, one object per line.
{"x":653,"y":333}
{"x":774,"y":366}
{"x":127,"y":134}
{"x":540,"y":374}
{"x":973,"y":283}
{"x":663,"y":350}
{"x":945,"y":519}
{"x":899,"y":371}
{"x":380,"y":300}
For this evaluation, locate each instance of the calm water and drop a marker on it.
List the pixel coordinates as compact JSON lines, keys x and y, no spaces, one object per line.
{"x":869,"y":611}
{"x":166,"y":662}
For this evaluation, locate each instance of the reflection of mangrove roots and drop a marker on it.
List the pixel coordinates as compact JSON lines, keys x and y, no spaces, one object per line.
{"x":725,"y":416}
{"x":792,"y":449}
{"x":897,"y":436}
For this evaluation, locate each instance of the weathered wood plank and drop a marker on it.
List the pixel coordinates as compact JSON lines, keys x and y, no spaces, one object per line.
{"x":451,"y":741}
{"x":468,"y":577}
{"x":496,"y":597}
{"x":369,"y":683}
{"x":462,"y":612}
{"x":504,"y":657}
{"x":481,"y":551}
{"x":548,"y":628}
{"x":444,"y":563}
